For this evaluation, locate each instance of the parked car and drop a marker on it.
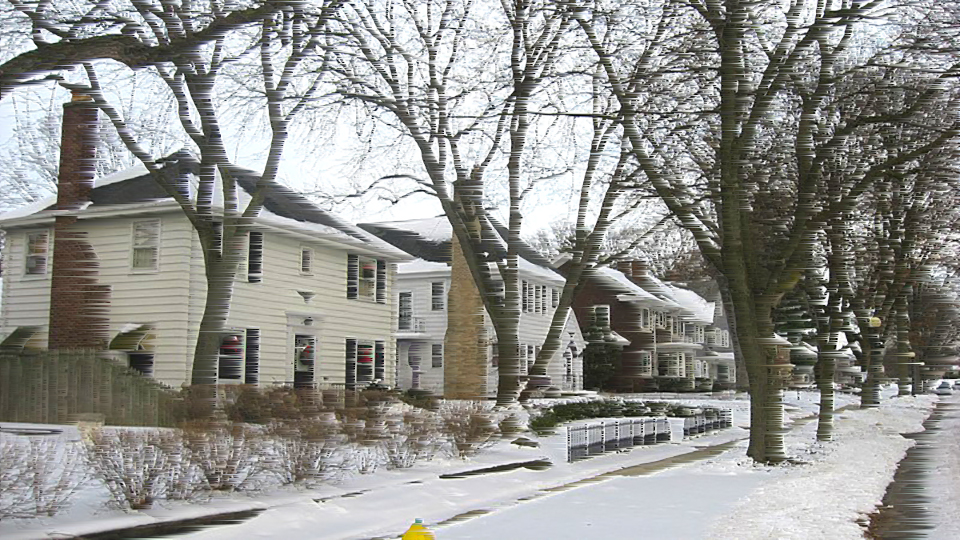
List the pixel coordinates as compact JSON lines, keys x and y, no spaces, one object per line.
{"x":944,"y":389}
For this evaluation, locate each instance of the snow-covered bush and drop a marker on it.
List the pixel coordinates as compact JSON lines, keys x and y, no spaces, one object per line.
{"x":38,"y":475}
{"x":138,"y":466}
{"x":471,"y":425}
{"x":230,"y":457}
{"x":305,"y":451}
{"x":412,"y":436}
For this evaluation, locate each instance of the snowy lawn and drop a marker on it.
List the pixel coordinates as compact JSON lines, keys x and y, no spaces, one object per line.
{"x":721,"y":497}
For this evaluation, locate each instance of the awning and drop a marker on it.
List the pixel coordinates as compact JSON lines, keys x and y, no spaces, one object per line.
{"x":130,"y":338}
{"x":17,"y":340}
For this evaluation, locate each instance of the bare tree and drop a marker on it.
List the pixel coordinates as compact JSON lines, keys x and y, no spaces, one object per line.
{"x":746,"y":191}
{"x":188,"y":48}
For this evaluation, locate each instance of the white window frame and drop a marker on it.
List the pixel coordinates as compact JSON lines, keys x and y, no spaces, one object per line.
{"x":134,"y":247}
{"x":46,"y":254}
{"x":646,"y":319}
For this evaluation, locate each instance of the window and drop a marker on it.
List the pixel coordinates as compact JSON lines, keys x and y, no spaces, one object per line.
{"x":405,"y":308}
{"x":366,"y":279}
{"x":530,"y":358}
{"x":544,"y":299}
{"x":365,"y":362}
{"x":537,"y":299}
{"x":255,"y":257}
{"x":603,"y":316}
{"x":437,"y":355}
{"x":146,"y":245}
{"x":304,"y":361}
{"x":718,"y":309}
{"x":554,"y":297}
{"x":306,"y":261}
{"x":437,"y":296}
{"x":38,"y":244}
{"x":230,"y":364}
{"x":523,"y":297}
{"x":645,"y":322}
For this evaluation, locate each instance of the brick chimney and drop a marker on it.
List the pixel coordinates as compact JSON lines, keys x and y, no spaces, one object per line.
{"x":78,"y":305}
{"x":626,"y":267}
{"x":640,"y":267}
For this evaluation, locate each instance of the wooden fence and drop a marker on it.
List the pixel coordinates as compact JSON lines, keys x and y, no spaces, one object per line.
{"x":58,"y":387}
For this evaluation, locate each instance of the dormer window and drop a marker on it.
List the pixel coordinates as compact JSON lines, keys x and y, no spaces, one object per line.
{"x":38,"y":244}
{"x":146,"y":245}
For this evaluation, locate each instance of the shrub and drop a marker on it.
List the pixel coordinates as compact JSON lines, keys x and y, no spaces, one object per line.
{"x":38,"y":475}
{"x":305,"y":451}
{"x":137,"y":466}
{"x":229,"y":456}
{"x":470,"y":425}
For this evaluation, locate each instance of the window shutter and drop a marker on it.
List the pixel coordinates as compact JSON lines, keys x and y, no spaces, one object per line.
{"x":351,"y":364}
{"x":353,"y":278}
{"x":437,"y":296}
{"x":255,"y":258}
{"x":252,"y":368}
{"x":379,"y":361}
{"x":381,"y":282}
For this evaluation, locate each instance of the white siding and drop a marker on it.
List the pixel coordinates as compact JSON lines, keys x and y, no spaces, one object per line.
{"x":269,"y":304}
{"x":26,"y":299}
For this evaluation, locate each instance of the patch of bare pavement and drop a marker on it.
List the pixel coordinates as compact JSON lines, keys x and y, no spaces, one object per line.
{"x":905,"y":512}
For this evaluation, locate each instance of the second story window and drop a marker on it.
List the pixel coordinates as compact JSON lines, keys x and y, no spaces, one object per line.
{"x":255,"y":258}
{"x":38,"y":244}
{"x":437,"y":295}
{"x":405,"y":321}
{"x":146,"y":245}
{"x":366,"y":279}
{"x":306,"y":261}
{"x":554,"y":297}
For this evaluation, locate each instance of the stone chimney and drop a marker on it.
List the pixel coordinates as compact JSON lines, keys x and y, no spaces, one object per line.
{"x":78,"y":305}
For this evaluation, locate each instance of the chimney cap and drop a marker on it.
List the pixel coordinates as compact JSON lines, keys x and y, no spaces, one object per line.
{"x":77,"y":95}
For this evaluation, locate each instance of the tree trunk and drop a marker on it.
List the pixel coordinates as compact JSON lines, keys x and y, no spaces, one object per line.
{"x":825,"y":369}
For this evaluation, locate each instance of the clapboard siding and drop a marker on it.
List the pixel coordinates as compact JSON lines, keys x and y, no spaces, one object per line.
{"x":266,"y":306}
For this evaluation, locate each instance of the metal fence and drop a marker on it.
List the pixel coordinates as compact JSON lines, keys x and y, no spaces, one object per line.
{"x":594,"y":438}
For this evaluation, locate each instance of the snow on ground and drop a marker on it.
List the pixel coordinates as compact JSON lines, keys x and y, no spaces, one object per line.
{"x":723,"y":497}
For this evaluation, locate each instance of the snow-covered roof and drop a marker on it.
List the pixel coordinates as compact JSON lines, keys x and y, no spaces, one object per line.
{"x":430,"y":239}
{"x":698,"y":308}
{"x":282,"y":208}
{"x":418,"y":266}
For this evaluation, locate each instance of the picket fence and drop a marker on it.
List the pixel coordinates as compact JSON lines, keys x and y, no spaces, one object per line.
{"x":594,"y":438}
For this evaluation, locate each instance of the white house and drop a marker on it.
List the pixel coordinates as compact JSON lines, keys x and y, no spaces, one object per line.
{"x":313,"y":301}
{"x":422,"y":289}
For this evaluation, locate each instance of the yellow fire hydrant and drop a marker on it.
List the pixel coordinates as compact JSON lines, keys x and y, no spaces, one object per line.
{"x":418,"y":532}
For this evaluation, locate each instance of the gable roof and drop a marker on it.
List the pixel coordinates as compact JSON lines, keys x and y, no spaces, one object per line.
{"x":430,"y":239}
{"x":283,"y":208}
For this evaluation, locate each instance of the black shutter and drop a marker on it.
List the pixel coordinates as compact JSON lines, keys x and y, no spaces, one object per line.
{"x":353,"y":277}
{"x":252,"y":368}
{"x":351,"y":363}
{"x":379,"y":362}
{"x":255,"y":258}
{"x":381,"y":282}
